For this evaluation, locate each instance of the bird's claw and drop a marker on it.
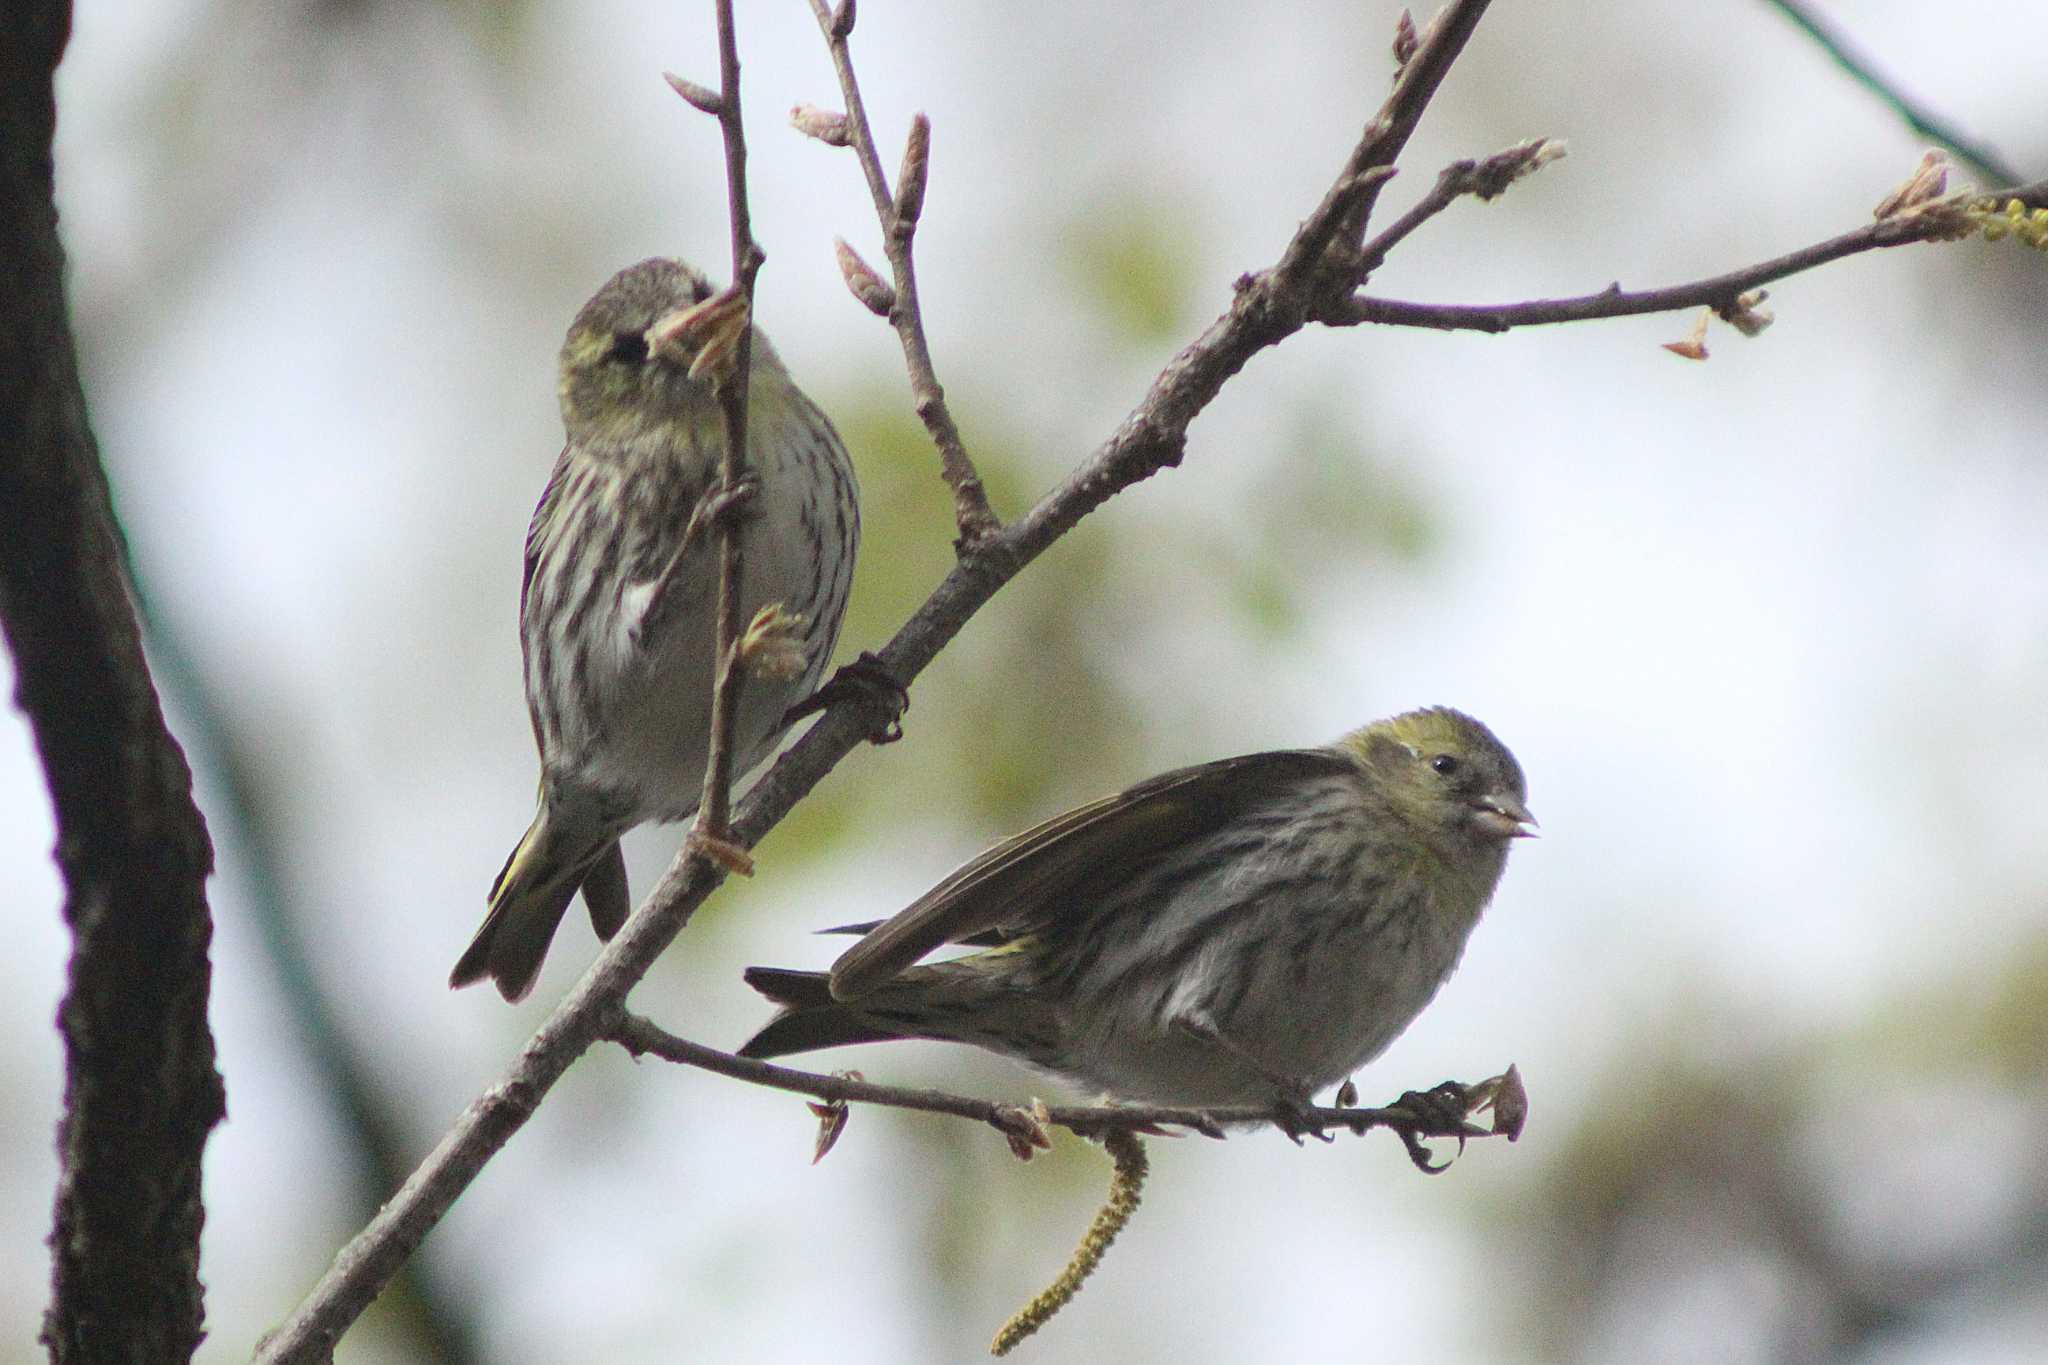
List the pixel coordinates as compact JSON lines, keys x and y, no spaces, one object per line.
{"x":1294,"y":1116}
{"x":868,"y":682}
{"x":1439,"y":1112}
{"x":724,"y":507}
{"x":1442,"y":1108}
{"x":727,"y":854}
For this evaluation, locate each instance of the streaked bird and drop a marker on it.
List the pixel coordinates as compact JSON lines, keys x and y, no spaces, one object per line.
{"x":618,"y":606}
{"x":1241,"y":933}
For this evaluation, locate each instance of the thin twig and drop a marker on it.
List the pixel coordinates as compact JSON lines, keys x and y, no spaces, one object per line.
{"x":1485,"y":178}
{"x":898,"y":215}
{"x":714,"y":811}
{"x":1719,"y":292}
{"x":1918,"y":116}
{"x":641,"y":1036}
{"x":1347,"y":207}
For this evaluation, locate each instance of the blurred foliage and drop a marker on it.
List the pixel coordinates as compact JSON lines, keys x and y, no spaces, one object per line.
{"x":1130,"y":259}
{"x":1328,"y":505}
{"x":1823,"y":1200}
{"x":1998,"y":1028}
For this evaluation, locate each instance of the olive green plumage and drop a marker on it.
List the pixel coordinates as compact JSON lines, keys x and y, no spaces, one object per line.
{"x":1244,"y":932}
{"x":617,"y":613}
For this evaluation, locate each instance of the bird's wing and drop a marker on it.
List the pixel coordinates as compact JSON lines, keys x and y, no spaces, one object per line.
{"x":1022,"y":880}
{"x":542,"y":512}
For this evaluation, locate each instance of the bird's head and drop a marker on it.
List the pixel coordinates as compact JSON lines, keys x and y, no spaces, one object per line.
{"x":647,"y":352}
{"x":1447,"y":777}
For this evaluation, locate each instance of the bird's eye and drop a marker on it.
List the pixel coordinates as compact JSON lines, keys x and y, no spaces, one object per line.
{"x":630,"y":347}
{"x":1445,"y":763}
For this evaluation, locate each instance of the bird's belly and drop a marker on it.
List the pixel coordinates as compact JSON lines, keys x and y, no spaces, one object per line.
{"x":646,"y":740}
{"x":1310,"y":1018}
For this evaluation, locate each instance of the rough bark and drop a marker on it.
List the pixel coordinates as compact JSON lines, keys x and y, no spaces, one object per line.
{"x":141,"y":1088}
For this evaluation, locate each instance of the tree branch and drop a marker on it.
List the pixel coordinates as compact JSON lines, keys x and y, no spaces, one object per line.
{"x":1719,"y":292}
{"x":711,"y":833}
{"x":1345,"y":210}
{"x":898,"y":215}
{"x":1487,"y":179}
{"x":141,"y":1090}
{"x":642,"y":1037}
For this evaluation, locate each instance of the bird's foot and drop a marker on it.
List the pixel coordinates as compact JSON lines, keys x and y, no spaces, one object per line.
{"x":868,"y":683}
{"x":724,"y":507}
{"x":727,"y":854}
{"x":1439,"y":1112}
{"x":773,"y":644}
{"x":1295,"y":1116}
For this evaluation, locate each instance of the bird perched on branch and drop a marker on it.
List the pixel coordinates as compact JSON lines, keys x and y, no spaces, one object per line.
{"x":618,"y":608}
{"x":1241,"y":933}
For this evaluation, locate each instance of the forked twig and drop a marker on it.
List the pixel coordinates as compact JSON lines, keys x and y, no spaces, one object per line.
{"x":1719,"y":292}
{"x":898,"y":214}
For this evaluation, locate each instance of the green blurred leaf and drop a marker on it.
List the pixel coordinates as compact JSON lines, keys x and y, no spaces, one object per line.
{"x":1132,"y":261}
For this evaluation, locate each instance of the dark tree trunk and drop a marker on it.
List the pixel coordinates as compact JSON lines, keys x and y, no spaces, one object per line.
{"x":141,"y":1090}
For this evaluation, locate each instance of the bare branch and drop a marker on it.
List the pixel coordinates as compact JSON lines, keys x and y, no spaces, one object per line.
{"x":643,"y":1037}
{"x":711,"y":835}
{"x":1722,"y":293}
{"x":1486,"y":179}
{"x":1348,"y":206}
{"x":898,"y":215}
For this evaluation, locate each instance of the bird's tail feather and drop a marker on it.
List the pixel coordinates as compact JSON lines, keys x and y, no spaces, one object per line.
{"x":810,"y":1017}
{"x":527,"y":900}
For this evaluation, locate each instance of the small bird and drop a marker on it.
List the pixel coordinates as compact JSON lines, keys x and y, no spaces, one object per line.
{"x":618,"y":608}
{"x":1241,"y":933}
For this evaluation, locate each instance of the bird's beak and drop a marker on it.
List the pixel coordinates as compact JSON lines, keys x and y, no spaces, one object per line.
{"x":707,"y":335}
{"x":1505,"y":816}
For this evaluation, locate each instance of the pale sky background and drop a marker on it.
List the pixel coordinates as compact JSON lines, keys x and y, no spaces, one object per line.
{"x":1769,"y":634}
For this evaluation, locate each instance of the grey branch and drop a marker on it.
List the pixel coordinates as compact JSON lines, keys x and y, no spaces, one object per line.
{"x":898,"y":215}
{"x":1723,"y":293}
{"x":643,"y":1037}
{"x":710,"y":836}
